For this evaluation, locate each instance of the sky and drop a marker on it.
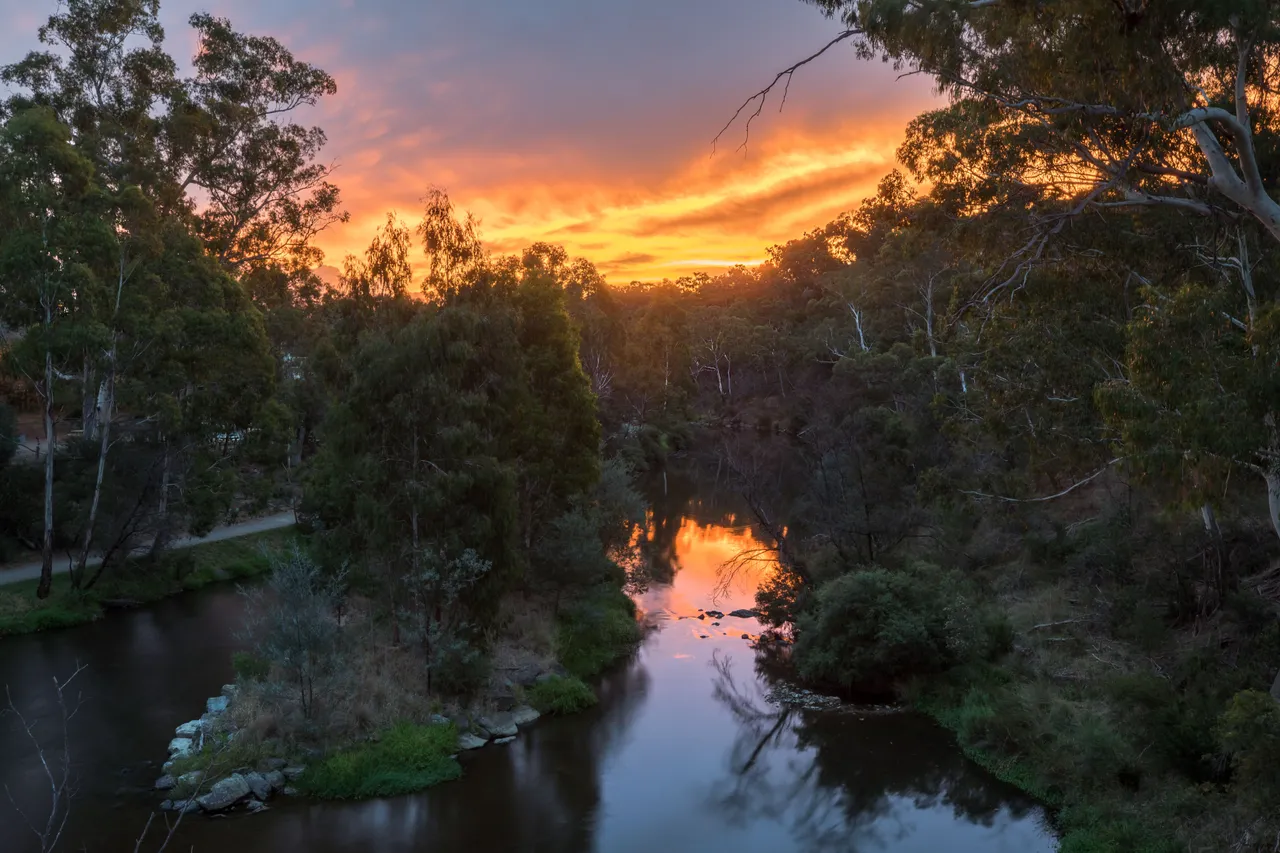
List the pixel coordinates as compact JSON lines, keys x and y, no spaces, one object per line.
{"x":587,"y":123}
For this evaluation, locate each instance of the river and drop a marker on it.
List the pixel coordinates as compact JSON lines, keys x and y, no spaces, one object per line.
{"x":683,"y":753}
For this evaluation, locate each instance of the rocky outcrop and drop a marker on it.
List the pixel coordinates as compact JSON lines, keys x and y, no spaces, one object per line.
{"x":501,"y":724}
{"x":225,"y":794}
{"x":467,"y":740}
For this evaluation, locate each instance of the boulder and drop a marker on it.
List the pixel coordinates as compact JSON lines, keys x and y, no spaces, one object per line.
{"x":255,"y":806}
{"x":524,"y":715}
{"x":715,"y":614}
{"x":191,"y":729}
{"x":292,"y":773}
{"x":746,"y":636}
{"x":190,"y":780}
{"x":275,"y":779}
{"x":702,"y":616}
{"x":166,"y":805}
{"x":180,"y":806}
{"x":505,"y":739}
{"x":744,"y":614}
{"x":180,"y":747}
{"x":166,"y":783}
{"x":439,"y":720}
{"x":225,"y":794}
{"x":466,"y":740}
{"x":526,"y":675}
{"x":289,"y":791}
{"x":166,"y":767}
{"x":504,"y":700}
{"x":499,"y":725}
{"x":275,"y":763}
{"x":230,"y":690}
{"x":216,"y":704}
{"x":259,"y":785}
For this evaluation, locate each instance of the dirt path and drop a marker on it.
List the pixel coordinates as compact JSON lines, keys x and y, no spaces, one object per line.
{"x":30,"y":569}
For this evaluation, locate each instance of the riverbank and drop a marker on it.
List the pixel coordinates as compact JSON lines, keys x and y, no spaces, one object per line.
{"x":138,"y":581}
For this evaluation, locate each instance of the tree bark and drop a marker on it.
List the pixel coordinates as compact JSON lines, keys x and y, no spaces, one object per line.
{"x":1272,"y":476}
{"x":46,"y":548}
{"x":104,"y":445}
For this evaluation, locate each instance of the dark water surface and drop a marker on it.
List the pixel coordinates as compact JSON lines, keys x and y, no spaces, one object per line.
{"x":682,"y":754}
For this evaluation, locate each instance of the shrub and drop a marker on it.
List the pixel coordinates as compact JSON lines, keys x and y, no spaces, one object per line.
{"x":403,"y":759}
{"x":558,"y":695}
{"x":1249,"y":732}
{"x":872,"y":627}
{"x":596,"y":631}
{"x":250,"y":667}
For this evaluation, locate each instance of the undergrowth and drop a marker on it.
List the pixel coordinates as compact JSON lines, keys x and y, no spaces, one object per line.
{"x":403,"y":759}
{"x":560,"y":695}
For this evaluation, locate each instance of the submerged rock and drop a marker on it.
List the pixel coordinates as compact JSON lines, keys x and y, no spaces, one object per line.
{"x":225,"y":794}
{"x":502,"y":724}
{"x":466,"y":740}
{"x":524,"y":715}
{"x":259,"y":785}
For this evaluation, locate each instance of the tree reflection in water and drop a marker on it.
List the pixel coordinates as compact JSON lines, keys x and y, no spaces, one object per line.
{"x":843,"y":782}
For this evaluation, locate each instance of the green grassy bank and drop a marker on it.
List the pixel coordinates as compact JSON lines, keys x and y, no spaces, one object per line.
{"x":137,"y":581}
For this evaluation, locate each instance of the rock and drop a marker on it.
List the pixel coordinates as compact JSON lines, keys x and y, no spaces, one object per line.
{"x":180,"y":806}
{"x":216,"y":704}
{"x":703,"y":637}
{"x":289,"y":791}
{"x":312,"y":753}
{"x":439,"y":720}
{"x":499,"y":725}
{"x":190,"y":780}
{"x":180,"y":747}
{"x":230,"y":690}
{"x":461,"y":721}
{"x":746,"y":636}
{"x":702,"y":616}
{"x":166,"y":806}
{"x":479,"y":730}
{"x":166,"y":783}
{"x":166,"y":767}
{"x":524,"y":715}
{"x":255,"y":806}
{"x":258,"y":784}
{"x":292,"y":773}
{"x":275,"y":763}
{"x":466,"y":740}
{"x":526,"y":675}
{"x":505,"y":739}
{"x":225,"y":794}
{"x":744,"y":614}
{"x":191,"y":729}
{"x":275,"y":779}
{"x":715,"y":614}
{"x":715,"y":624}
{"x":504,"y":700}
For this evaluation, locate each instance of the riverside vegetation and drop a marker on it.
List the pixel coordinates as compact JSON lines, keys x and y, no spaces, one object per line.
{"x":1008,"y":425}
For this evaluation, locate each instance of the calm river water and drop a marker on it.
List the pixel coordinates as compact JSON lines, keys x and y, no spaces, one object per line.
{"x":682,"y":754}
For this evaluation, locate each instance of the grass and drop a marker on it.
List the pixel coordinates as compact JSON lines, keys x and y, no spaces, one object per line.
{"x":559,"y":695}
{"x":218,"y":759}
{"x":138,"y":580}
{"x":405,"y":758}
{"x":597,"y":631}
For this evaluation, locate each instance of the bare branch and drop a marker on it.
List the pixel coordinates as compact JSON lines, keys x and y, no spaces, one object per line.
{"x":1068,"y":490}
{"x":759,"y":98}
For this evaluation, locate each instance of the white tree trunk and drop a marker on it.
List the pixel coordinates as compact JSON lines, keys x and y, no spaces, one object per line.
{"x":1272,"y":476}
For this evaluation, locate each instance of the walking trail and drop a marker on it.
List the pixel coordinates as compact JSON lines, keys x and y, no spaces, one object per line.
{"x":30,"y":569}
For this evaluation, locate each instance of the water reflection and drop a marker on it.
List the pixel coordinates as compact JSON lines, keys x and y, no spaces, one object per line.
{"x":681,"y":753}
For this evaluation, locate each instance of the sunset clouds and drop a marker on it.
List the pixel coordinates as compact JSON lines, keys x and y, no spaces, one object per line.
{"x":580,"y":122}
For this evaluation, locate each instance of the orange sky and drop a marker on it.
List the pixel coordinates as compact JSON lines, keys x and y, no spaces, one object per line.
{"x":578,"y":122}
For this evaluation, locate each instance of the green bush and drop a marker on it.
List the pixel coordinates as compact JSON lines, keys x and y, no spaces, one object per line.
{"x":250,"y":667}
{"x":871,"y":627}
{"x":557,"y":695}
{"x":596,"y":631}
{"x":405,"y":758}
{"x":1249,"y":732}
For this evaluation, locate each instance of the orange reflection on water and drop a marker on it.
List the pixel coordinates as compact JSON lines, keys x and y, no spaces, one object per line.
{"x":703,"y":559}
